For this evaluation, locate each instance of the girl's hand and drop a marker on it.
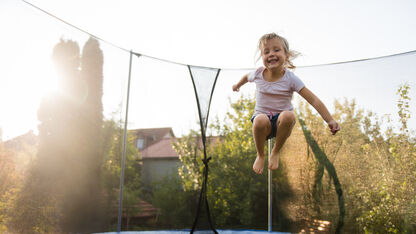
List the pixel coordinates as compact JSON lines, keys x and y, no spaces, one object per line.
{"x":334,"y":126}
{"x":236,"y":88}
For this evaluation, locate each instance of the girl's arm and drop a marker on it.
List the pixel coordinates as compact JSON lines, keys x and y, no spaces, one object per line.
{"x":243,"y":80}
{"x":321,"y":108}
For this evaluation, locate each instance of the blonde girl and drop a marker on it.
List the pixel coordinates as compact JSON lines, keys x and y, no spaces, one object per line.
{"x":275,"y":84}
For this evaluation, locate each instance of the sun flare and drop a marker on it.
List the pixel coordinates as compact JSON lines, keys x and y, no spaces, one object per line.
{"x":23,"y":92}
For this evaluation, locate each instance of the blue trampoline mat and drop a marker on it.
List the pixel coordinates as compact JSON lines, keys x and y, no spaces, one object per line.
{"x":196,"y":232}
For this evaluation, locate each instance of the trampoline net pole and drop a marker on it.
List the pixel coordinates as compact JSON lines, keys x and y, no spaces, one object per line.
{"x":123,"y":159}
{"x":270,"y":190}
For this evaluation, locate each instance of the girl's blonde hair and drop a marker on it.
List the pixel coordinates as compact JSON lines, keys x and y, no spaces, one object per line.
{"x":291,"y":54}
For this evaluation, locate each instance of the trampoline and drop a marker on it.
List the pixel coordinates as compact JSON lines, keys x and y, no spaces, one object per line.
{"x":198,"y":232}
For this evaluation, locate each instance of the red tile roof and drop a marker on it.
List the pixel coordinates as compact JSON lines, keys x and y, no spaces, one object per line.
{"x":147,"y":210}
{"x":158,"y":142}
{"x":152,"y":135}
{"x":161,"y":149}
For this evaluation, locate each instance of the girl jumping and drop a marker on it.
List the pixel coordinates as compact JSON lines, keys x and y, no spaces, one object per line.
{"x":275,"y":84}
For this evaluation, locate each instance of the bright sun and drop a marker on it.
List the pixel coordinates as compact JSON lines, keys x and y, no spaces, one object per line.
{"x":21,"y":93}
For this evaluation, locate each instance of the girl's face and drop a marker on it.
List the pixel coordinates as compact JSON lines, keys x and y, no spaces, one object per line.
{"x":273,"y":54}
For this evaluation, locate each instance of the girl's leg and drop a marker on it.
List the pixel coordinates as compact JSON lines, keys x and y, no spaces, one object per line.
{"x":261,"y":129}
{"x":284,"y":125}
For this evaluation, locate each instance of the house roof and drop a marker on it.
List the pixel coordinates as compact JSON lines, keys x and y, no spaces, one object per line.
{"x":160,"y":149}
{"x":164,"y":148}
{"x":150,"y":132}
{"x":145,"y":209}
{"x":157,"y":142}
{"x":19,"y":142}
{"x":150,"y":136}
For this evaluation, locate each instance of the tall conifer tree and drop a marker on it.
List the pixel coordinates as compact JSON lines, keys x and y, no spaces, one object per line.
{"x":84,"y":203}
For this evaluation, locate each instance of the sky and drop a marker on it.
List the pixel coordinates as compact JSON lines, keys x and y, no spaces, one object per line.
{"x":217,"y":34}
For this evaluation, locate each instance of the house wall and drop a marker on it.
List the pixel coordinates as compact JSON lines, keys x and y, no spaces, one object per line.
{"x":154,"y":170}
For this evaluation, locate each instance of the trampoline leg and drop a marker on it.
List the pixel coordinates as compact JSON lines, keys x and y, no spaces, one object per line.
{"x":270,"y":190}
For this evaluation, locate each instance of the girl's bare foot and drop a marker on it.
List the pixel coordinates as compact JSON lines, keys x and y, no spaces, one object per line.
{"x":258,"y":165}
{"x":273,"y":162}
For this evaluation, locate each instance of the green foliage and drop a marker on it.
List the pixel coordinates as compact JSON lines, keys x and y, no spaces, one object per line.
{"x":176,"y":205}
{"x":386,"y":198}
{"x":13,"y":167}
{"x":9,"y":180}
{"x":189,"y":149}
{"x":403,"y":105}
{"x":324,"y":163}
{"x":375,"y":164}
{"x":111,"y":169}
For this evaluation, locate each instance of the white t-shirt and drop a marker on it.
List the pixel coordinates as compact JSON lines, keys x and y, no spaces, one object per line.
{"x":274,"y":97}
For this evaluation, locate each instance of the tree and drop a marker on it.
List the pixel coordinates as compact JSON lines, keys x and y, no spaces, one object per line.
{"x":376,"y":170}
{"x":38,"y":206}
{"x":388,"y":200}
{"x":10,"y":180}
{"x":83,"y":199}
{"x":62,"y":191}
{"x":111,"y":168}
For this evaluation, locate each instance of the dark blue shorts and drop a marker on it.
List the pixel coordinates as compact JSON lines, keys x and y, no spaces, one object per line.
{"x":273,"y":122}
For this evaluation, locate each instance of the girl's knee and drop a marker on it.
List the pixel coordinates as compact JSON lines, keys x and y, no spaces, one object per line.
{"x":287,"y":117}
{"x":261,"y":122}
